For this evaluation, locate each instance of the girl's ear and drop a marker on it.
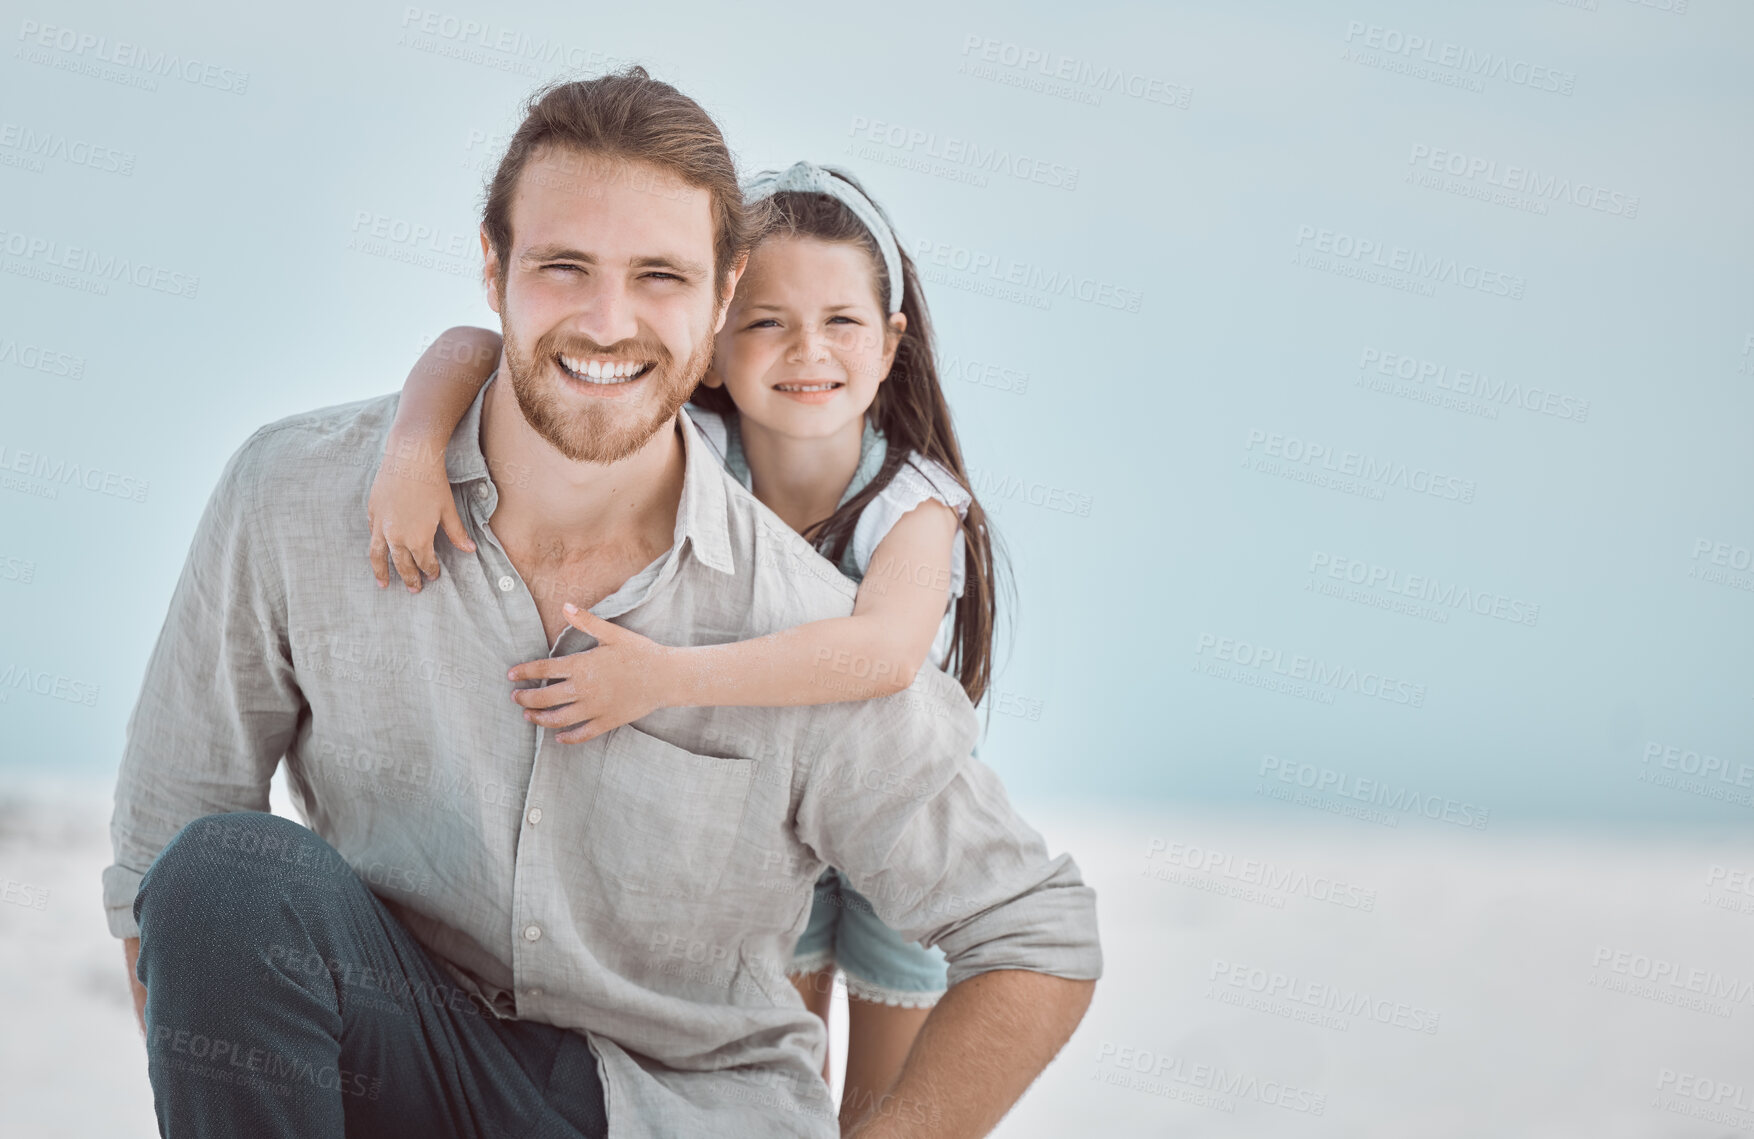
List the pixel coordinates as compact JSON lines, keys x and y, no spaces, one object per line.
{"x":712,"y":379}
{"x":895,"y":329}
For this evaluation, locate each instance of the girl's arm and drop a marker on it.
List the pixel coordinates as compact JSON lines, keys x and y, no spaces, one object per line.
{"x":411,"y":496}
{"x":875,"y":652}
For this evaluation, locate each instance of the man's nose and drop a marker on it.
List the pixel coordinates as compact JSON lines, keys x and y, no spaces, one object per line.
{"x":608,"y":315}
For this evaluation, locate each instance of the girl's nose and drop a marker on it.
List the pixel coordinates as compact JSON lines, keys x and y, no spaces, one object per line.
{"x":810,"y":347}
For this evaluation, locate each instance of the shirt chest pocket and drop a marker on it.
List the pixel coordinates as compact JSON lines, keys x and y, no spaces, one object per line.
{"x":664,"y":820}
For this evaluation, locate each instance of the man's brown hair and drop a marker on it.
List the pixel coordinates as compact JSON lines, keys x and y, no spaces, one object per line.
{"x":626,"y":116}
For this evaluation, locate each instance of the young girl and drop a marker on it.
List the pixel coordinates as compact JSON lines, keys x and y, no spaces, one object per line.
{"x":823,"y":398}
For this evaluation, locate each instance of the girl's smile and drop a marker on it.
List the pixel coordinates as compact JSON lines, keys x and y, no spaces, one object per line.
{"x":808,"y":392}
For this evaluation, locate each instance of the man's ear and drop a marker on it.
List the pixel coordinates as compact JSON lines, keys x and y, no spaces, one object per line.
{"x":730,"y":290}
{"x":489,"y":272}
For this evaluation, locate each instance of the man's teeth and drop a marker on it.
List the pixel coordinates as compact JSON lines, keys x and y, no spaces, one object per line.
{"x":602,"y":371}
{"x":807,"y":387}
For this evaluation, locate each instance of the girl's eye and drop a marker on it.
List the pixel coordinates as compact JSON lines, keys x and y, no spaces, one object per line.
{"x":765,"y":322}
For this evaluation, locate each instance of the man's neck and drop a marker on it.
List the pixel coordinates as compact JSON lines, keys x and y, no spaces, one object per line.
{"x":579,"y":528}
{"x":801,"y":480}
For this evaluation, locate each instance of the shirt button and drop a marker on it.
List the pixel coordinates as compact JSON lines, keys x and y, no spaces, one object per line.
{"x":505,"y":584}
{"x":532,"y":992}
{"x":480,"y":490}
{"x":535,"y":815}
{"x":532,"y":932}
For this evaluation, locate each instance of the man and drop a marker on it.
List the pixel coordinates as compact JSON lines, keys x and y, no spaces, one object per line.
{"x":496,"y":934}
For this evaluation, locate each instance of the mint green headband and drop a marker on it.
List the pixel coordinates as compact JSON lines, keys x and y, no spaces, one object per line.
{"x":809,"y":178}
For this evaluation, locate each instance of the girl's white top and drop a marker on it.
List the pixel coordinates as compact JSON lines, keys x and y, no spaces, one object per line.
{"x":917,"y":480}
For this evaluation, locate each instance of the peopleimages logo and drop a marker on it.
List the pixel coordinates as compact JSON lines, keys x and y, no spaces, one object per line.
{"x":1424,"y":588}
{"x":1288,"y":880}
{"x":497,"y":46}
{"x":28,"y":148}
{"x":1462,"y":61}
{"x":92,"y":271}
{"x":40,"y":359}
{"x":1064,"y":75}
{"x":1416,"y":264}
{"x":1473,"y":384}
{"x":39,"y":474}
{"x":1291,"y":988}
{"x":1202,"y":1085}
{"x":1326,"y":780}
{"x":140,"y":66}
{"x":912,"y":147}
{"x":1358,"y":465}
{"x":1524,"y":180}
{"x":1037,"y":283}
{"x":1312,"y":670}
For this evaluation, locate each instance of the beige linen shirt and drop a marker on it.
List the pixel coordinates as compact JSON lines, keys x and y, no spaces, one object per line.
{"x":644,"y":888}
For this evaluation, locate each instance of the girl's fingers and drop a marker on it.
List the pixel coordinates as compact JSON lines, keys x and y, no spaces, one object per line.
{"x":540,"y":669}
{"x":555,"y":717}
{"x":380,"y":558}
{"x":579,"y":735}
{"x":454,"y":528}
{"x":547,"y":696}
{"x":405,"y":567}
{"x":590,"y":730}
{"x":586,"y":621}
{"x":427,"y":560}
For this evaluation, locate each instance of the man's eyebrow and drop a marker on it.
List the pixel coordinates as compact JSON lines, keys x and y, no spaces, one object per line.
{"x":769,"y":306}
{"x":680,"y":265}
{"x":668,"y":261}
{"x":558,"y":253}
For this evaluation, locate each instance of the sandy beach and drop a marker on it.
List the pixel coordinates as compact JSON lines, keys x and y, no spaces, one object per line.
{"x":1265,"y":976}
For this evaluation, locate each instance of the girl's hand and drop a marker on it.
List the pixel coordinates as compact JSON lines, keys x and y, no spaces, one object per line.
{"x":622,"y":679}
{"x":410,"y":500}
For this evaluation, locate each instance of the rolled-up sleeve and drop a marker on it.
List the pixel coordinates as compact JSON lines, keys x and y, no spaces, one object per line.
{"x":926,"y":832}
{"x":219,"y":702}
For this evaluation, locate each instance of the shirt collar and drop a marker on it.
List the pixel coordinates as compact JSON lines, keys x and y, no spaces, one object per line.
{"x":702,"y":516}
{"x":872,"y":447}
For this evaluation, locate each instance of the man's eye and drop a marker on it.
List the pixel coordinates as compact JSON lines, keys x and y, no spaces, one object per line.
{"x":564,"y":268}
{"x":661,"y":276}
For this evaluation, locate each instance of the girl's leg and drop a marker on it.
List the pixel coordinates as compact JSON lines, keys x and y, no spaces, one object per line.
{"x":817,"y":989}
{"x":812,"y":968}
{"x":892,"y":985}
{"x":878,"y":1039}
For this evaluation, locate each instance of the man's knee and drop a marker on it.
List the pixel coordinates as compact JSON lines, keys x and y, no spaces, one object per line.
{"x":236,"y":856}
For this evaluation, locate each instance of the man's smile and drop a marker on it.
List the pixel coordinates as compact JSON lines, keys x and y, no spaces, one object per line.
{"x":601,"y":371}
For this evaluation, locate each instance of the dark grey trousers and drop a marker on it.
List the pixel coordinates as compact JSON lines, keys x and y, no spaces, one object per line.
{"x":284,"y":1000}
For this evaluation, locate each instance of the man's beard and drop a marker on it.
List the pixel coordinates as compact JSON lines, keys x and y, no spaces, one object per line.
{"x":601,"y":431}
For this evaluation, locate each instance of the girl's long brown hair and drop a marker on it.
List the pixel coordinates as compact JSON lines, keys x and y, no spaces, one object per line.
{"x":911,"y":412}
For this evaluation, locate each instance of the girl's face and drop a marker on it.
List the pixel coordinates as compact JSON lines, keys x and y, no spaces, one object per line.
{"x":805,"y":343}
